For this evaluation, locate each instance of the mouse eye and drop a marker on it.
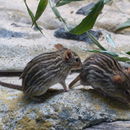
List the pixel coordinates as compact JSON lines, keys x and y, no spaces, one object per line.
{"x":77,"y":60}
{"x":126,"y":92}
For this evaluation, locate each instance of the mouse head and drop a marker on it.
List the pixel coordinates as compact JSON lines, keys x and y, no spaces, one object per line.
{"x":121,"y":86}
{"x":122,"y":80}
{"x":72,"y":59}
{"x":121,"y":95}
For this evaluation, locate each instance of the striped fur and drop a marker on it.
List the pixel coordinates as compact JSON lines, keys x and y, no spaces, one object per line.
{"x":99,"y":71}
{"x":46,"y":70}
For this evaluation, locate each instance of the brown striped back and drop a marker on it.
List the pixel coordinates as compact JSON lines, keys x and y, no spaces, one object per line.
{"x":102,"y":67}
{"x":46,"y":70}
{"x":105,"y":75}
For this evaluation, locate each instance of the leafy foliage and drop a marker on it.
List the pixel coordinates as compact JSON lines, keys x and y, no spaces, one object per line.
{"x":86,"y":24}
{"x":107,"y":1}
{"x":110,"y":40}
{"x":63,"y":2}
{"x":57,"y":14}
{"x":123,"y":25}
{"x":128,"y":52}
{"x":123,"y":59}
{"x":103,"y":51}
{"x":95,"y":41}
{"x":32,"y":16}
{"x":40,"y":9}
{"x":89,"y":21}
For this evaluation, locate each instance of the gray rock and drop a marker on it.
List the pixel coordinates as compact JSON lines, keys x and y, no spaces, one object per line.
{"x":112,"y":16}
{"x":72,"y":110}
{"x":9,"y":34}
{"x":61,"y":33}
{"x":86,"y":9}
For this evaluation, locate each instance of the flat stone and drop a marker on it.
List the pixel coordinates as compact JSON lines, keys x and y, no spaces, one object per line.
{"x":61,"y":33}
{"x":111,"y":17}
{"x":76,"y":109}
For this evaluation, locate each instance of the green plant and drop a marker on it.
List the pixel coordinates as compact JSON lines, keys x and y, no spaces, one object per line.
{"x":86,"y":24}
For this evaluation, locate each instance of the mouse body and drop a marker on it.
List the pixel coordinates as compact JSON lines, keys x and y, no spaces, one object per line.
{"x":45,"y":70}
{"x":106,"y":75}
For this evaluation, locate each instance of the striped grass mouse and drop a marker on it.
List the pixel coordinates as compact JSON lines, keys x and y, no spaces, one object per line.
{"x":45,"y":70}
{"x":106,"y":75}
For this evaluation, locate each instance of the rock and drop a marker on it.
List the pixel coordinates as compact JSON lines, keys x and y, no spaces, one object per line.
{"x":86,"y":9}
{"x":61,"y":33}
{"x":112,"y":16}
{"x":72,"y":110}
{"x":19,"y":43}
{"x":8,"y":34}
{"x":75,"y":109}
{"x":121,"y":42}
{"x":117,"y":125}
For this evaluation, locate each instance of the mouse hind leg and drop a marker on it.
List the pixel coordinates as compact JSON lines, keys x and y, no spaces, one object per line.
{"x":48,"y":94}
{"x":36,"y":93}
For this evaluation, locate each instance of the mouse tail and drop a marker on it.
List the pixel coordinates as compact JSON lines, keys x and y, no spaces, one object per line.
{"x":9,"y":74}
{"x":71,"y":85}
{"x":13,"y":86}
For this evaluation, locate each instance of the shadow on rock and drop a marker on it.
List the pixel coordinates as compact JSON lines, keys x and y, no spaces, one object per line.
{"x":47,"y":96}
{"x":112,"y":102}
{"x":11,"y":34}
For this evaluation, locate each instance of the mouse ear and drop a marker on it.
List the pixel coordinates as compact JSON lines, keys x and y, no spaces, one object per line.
{"x":67,"y":54}
{"x":117,"y":78}
{"x":58,"y":46}
{"x":129,"y":70}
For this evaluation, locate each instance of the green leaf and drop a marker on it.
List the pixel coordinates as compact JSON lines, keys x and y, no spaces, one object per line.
{"x":57,"y":14}
{"x":128,"y":52}
{"x":94,"y":40}
{"x":107,"y":1}
{"x":63,"y":2}
{"x":123,"y":25}
{"x":110,"y":40}
{"x":40,"y":9}
{"x":32,"y":16}
{"x":101,"y":51}
{"x":40,"y":29}
{"x":88,"y":22}
{"x":29,"y":11}
{"x":123,"y":59}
